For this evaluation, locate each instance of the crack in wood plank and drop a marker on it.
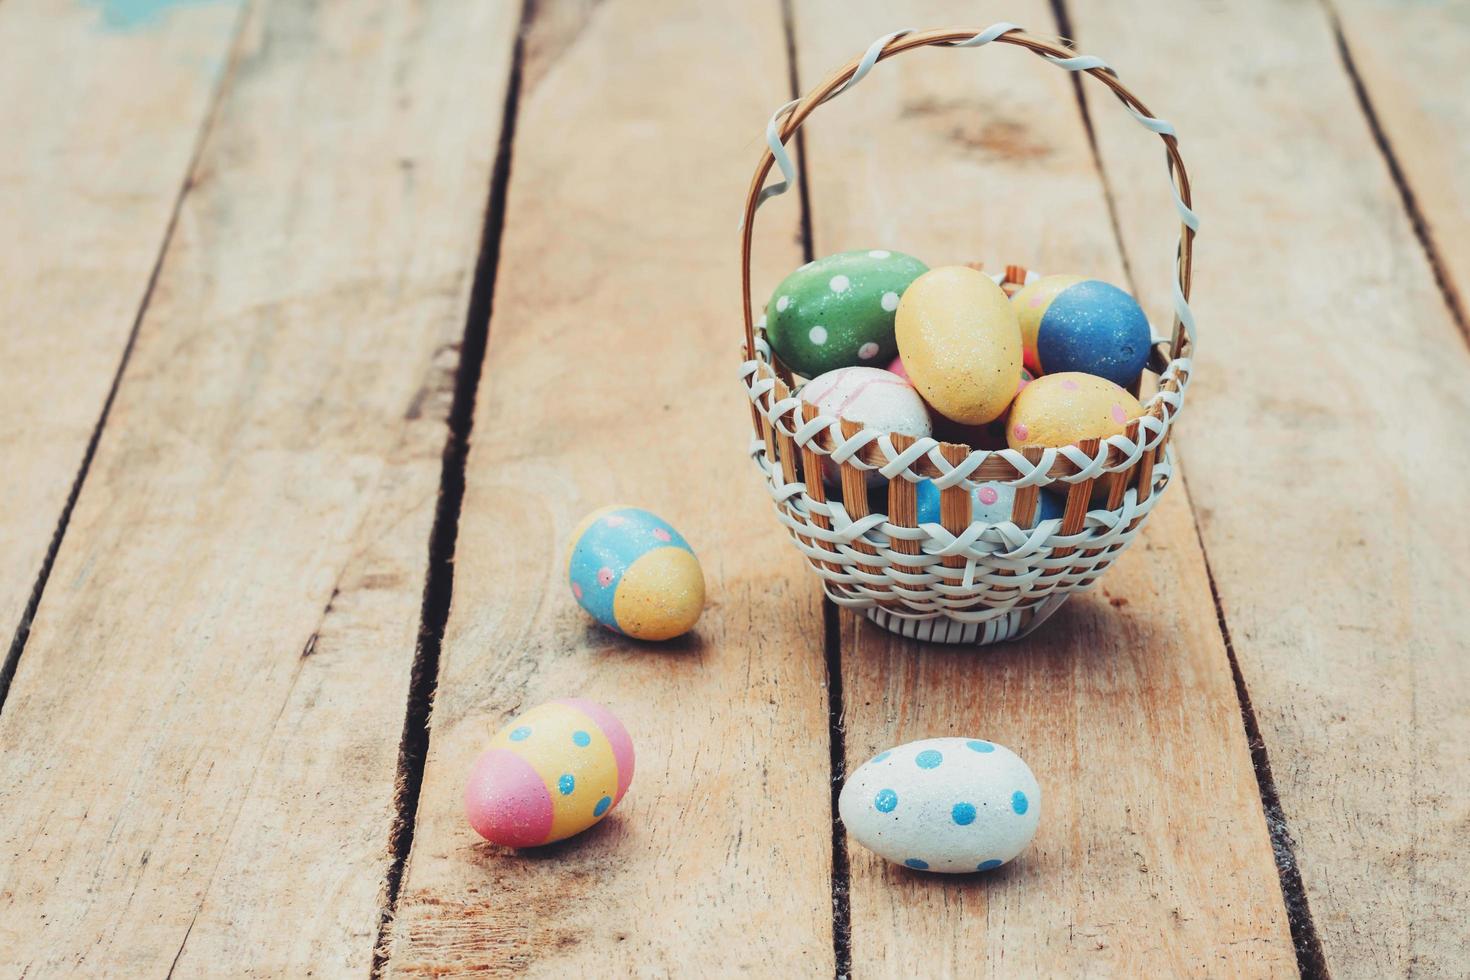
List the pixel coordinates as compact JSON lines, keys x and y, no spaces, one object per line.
{"x":443,"y":538}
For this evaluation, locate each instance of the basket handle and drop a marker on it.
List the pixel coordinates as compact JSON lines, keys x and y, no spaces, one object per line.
{"x":788,"y":119}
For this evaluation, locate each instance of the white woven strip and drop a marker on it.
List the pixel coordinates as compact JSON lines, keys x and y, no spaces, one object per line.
{"x":1160,"y":127}
{"x":785,"y":418}
{"x":1009,"y":571}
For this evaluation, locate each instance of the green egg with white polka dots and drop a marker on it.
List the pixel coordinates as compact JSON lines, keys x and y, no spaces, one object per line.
{"x":838,"y":311}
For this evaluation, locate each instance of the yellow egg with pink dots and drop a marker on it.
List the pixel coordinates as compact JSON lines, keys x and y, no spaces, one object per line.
{"x":1063,"y":409}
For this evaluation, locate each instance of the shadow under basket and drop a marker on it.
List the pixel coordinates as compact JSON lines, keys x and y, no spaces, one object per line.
{"x":954,"y":580}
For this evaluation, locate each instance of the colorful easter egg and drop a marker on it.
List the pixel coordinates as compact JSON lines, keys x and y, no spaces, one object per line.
{"x":552,"y":772}
{"x":896,"y":366}
{"x":990,"y":503}
{"x":1069,"y":323}
{"x":1063,"y":409}
{"x":960,"y":343}
{"x":838,"y":311}
{"x":878,"y":399}
{"x":635,"y":574}
{"x":943,"y":804}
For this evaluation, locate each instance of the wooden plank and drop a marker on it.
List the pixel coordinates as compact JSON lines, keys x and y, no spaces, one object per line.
{"x":1410,"y":58}
{"x":611,"y":376}
{"x":1152,"y":857}
{"x":100,"y":118}
{"x":199,"y":752}
{"x":1326,"y":442}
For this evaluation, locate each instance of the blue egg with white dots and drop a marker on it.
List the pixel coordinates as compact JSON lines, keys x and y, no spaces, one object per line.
{"x":951,"y":805}
{"x":1069,"y":323}
{"x":990,"y":503}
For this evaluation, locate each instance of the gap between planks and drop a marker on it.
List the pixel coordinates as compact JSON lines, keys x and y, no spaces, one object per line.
{"x":22,"y":633}
{"x":1396,"y":173}
{"x":1311,"y":961}
{"x":413,"y":747}
{"x":831,"y":615}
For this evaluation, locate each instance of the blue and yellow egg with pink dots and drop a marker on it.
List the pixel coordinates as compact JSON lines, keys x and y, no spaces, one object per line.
{"x":952,"y":805}
{"x":635,"y":574}
{"x":1070,"y":323}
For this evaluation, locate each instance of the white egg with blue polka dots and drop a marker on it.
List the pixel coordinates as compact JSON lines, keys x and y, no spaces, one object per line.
{"x":943,"y":804}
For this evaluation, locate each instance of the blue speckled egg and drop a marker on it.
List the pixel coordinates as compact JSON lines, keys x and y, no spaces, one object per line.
{"x":1074,"y":324}
{"x":991,"y":502}
{"x":635,"y":574}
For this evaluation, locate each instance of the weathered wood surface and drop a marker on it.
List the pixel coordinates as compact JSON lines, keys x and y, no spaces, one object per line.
{"x":1152,"y":857}
{"x":1329,"y":457}
{"x":610,"y":376}
{"x":198,"y":755}
{"x":1410,"y":58}
{"x":92,"y":164}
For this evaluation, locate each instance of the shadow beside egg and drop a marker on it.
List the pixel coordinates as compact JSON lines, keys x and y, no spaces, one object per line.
{"x":597,"y":840}
{"x":966,"y":881}
{"x":605,"y":642}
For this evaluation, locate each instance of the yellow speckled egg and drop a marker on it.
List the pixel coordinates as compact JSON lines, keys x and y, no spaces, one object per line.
{"x":635,"y":574}
{"x":552,"y":772}
{"x":1062,"y":409}
{"x":1031,"y":303}
{"x":961,"y":343}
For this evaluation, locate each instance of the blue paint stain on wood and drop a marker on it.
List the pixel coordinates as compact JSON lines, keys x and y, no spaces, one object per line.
{"x":135,"y":15}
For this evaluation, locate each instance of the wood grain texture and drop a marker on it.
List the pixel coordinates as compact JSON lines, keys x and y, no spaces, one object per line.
{"x":611,"y":376}
{"x":1152,"y":857}
{"x":1326,"y":446}
{"x":93,"y":162}
{"x":198,"y":756}
{"x":1410,"y":56}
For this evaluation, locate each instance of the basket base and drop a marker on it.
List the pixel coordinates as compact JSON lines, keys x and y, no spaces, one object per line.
{"x":941,"y":629}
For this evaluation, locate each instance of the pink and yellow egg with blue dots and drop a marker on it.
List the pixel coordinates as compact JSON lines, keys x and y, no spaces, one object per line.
{"x":635,"y":574}
{"x":1071,"y":323}
{"x":550,"y":773}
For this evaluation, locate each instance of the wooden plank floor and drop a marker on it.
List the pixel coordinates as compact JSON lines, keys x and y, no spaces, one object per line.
{"x":320,"y":326}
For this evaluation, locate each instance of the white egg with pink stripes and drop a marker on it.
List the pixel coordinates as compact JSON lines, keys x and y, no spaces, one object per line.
{"x":875,"y":398}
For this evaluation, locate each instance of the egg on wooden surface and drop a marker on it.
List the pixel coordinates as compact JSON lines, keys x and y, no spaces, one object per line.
{"x":635,"y":574}
{"x":943,"y":804}
{"x":990,"y":502}
{"x":874,"y":397}
{"x":838,"y":311}
{"x":550,"y":773}
{"x":1063,"y":409}
{"x":1069,"y":323}
{"x":961,"y":343}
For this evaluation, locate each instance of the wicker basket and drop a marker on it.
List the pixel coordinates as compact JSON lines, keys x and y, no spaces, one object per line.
{"x":957,"y":581}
